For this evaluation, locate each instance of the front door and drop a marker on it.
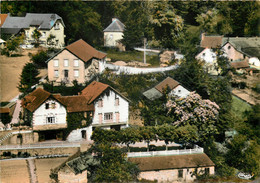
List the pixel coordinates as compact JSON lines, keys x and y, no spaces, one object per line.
{"x":66,"y":73}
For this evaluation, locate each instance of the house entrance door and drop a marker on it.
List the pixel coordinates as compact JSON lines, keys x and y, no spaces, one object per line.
{"x":66,"y":73}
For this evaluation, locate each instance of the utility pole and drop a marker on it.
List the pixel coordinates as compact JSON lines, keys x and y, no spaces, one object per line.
{"x":145,"y":50}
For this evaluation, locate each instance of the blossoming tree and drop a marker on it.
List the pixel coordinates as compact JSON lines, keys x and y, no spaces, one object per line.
{"x":193,"y":110}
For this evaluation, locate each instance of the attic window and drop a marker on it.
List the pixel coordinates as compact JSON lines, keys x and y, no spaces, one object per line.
{"x":229,"y":47}
{"x":47,"y":106}
{"x":203,"y":54}
{"x":57,"y":26}
{"x":107,"y":93}
{"x":53,"y":105}
{"x":100,"y":103}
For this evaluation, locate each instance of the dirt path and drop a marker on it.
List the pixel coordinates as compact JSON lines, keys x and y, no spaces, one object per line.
{"x":10,"y":70}
{"x":32,"y":170}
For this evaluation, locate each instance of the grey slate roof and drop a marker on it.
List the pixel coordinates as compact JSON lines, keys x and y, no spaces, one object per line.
{"x":248,"y":45}
{"x":115,"y":26}
{"x":152,"y":94}
{"x":44,"y":21}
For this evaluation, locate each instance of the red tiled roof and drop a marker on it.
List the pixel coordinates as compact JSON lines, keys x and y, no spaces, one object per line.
{"x":211,"y":41}
{"x":4,"y":110}
{"x":171,"y":83}
{"x":33,"y":100}
{"x":84,"y":51}
{"x":76,"y":103}
{"x":172,"y":162}
{"x":94,"y":90}
{"x":242,"y":64}
{"x":2,"y":18}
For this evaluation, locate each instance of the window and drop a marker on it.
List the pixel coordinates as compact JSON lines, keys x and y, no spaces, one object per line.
{"x":47,"y":106}
{"x":76,"y":63}
{"x":56,"y":73}
{"x":43,"y":34}
{"x":203,"y":54}
{"x":76,"y":73}
{"x":66,"y":62}
{"x":108,"y":116}
{"x":50,"y":120}
{"x":229,"y":47}
{"x":117,"y":102}
{"x":180,"y":173}
{"x":57,"y":26}
{"x":100,"y":103}
{"x":53,"y":105}
{"x":179,"y":91}
{"x":100,"y":117}
{"x":56,"y":63}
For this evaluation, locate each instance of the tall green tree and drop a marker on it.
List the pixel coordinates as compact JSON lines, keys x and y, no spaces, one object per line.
{"x":28,"y":78}
{"x":167,"y":25}
{"x":113,"y":165}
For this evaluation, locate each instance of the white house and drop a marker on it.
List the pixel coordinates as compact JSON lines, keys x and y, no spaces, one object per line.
{"x":105,"y":107}
{"x":210,"y":58}
{"x":113,"y":33}
{"x":51,"y":27}
{"x":175,"y":89}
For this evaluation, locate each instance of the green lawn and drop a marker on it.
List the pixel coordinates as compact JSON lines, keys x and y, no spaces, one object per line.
{"x":128,"y":56}
{"x":239,"y":106}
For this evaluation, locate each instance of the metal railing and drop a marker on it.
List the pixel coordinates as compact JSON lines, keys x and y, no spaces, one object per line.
{"x":40,"y":146}
{"x":165,"y":153}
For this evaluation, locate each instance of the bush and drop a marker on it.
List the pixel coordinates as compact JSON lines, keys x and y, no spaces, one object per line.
{"x":40,"y":58}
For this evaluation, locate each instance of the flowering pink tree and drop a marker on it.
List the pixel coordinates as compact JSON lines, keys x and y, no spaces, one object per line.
{"x":194,"y":110}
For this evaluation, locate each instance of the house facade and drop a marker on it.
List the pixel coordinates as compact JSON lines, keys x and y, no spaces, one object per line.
{"x":174,"y":168}
{"x":209,"y":57}
{"x":174,"y":86}
{"x":77,"y":61}
{"x":240,"y":48}
{"x":100,"y":103}
{"x":51,"y":27}
{"x":113,"y":33}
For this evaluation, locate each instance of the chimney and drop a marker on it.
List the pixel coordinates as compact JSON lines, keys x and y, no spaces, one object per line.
{"x":202,"y":36}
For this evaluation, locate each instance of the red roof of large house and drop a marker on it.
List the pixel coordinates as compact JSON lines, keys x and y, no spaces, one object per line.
{"x":2,"y":18}
{"x":94,"y":90}
{"x":33,"y":100}
{"x":75,"y":103}
{"x":84,"y":51}
{"x":171,"y":83}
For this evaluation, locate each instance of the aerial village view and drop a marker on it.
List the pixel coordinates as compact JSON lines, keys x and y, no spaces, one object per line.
{"x":129,"y":91}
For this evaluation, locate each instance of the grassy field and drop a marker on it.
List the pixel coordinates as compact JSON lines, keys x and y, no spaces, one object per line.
{"x":239,"y":106}
{"x":43,"y":167}
{"x":128,"y":56}
{"x":13,"y":171}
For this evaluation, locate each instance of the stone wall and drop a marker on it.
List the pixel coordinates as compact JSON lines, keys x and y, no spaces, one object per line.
{"x":45,"y":151}
{"x":25,"y":138}
{"x":67,"y":176}
{"x":172,"y":175}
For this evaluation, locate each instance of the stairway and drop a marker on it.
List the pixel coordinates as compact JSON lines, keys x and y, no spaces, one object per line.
{"x":6,"y":137}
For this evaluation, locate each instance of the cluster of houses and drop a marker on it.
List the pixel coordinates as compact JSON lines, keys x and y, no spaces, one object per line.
{"x":104,"y":106}
{"x":51,"y":28}
{"x":242,"y":52}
